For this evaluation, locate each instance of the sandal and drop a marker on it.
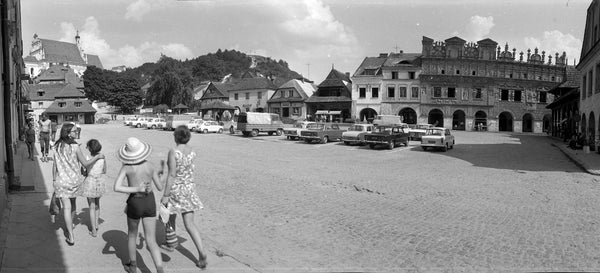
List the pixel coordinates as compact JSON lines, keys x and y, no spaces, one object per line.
{"x":131,"y":267}
{"x":202,"y":262}
{"x":94,"y":233}
{"x":70,"y":241}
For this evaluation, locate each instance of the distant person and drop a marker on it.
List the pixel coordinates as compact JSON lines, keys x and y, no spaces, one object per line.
{"x":30,"y":139}
{"x":141,"y":203}
{"x":180,"y":190}
{"x":53,"y":126}
{"x":67,"y":176}
{"x":93,"y":185}
{"x":45,"y":130}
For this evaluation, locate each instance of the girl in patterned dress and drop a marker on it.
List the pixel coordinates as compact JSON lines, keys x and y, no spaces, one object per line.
{"x":180,"y":190}
{"x":66,"y":174}
{"x":93,"y":185}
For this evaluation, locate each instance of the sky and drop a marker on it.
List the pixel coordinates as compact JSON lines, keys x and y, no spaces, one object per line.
{"x":312,"y":36}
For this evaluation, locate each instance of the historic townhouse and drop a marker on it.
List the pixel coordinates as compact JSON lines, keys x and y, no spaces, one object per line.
{"x":472,"y":86}
{"x":250,"y":94}
{"x":565,"y":107}
{"x":387,"y":85}
{"x":214,"y":99}
{"x":288,"y":100}
{"x":333,"y":99}
{"x":589,"y":82}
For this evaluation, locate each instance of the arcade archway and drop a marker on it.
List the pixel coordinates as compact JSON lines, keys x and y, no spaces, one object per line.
{"x":592,"y":131}
{"x":480,"y":121}
{"x":408,"y":115}
{"x":458,"y":120}
{"x":367,"y":114}
{"x":527,"y":123}
{"x":505,"y":122}
{"x":436,"y":117}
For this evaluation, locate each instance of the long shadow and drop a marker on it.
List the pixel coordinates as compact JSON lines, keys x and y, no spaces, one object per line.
{"x":522,"y":152}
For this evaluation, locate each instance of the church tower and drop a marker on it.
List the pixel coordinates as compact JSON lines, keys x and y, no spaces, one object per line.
{"x":78,"y":43}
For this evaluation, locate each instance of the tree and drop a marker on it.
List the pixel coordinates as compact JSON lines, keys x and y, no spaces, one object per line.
{"x":97,"y":83}
{"x":126,"y":94}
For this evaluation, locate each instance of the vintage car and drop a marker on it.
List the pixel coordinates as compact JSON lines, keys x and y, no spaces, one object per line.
{"x":388,"y":135}
{"x":140,"y":122}
{"x":193,"y":124}
{"x":294,"y":132}
{"x":321,"y":132}
{"x":437,"y":137}
{"x":156,"y":123}
{"x":128,"y":121}
{"x":209,"y":126}
{"x":356,"y":133}
{"x":418,"y":130}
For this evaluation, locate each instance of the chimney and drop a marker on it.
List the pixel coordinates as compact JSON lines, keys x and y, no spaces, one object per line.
{"x":401,"y":51}
{"x":348,"y":75}
{"x":383,"y":55}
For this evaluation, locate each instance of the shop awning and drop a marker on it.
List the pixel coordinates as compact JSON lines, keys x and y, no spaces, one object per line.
{"x":328,"y":112}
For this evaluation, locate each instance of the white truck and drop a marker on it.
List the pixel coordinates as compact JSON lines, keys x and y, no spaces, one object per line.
{"x":253,"y":123}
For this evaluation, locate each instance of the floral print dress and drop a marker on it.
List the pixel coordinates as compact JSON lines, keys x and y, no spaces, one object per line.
{"x":93,"y":185}
{"x":68,"y":171}
{"x":183,"y":190}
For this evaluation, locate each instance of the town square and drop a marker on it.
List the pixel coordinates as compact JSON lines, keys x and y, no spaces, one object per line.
{"x":300,"y":136}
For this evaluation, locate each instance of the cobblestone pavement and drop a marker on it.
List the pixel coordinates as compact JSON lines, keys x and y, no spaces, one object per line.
{"x":496,"y":202}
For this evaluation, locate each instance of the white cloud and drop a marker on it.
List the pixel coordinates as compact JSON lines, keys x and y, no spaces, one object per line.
{"x":556,"y":42}
{"x":137,"y":10}
{"x":128,"y":55}
{"x":478,"y":28}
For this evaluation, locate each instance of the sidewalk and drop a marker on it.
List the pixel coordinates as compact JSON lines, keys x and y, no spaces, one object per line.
{"x":589,"y":162}
{"x":30,"y":242}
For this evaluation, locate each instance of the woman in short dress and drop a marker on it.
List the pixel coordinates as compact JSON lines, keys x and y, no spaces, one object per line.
{"x":66,"y":174}
{"x":180,"y":190}
{"x":93,"y":185}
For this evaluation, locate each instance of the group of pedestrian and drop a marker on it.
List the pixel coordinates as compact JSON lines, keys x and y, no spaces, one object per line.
{"x":135,"y":177}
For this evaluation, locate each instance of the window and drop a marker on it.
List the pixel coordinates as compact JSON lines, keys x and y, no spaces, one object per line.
{"x":590,"y":84}
{"x":443,"y":71}
{"x":259,"y":95}
{"x":524,"y":75}
{"x":451,"y":92}
{"x":41,"y":93}
{"x":584,"y":89}
{"x":235,"y":96}
{"x":474,"y":73}
{"x":282,"y":94}
{"x":414,"y":92}
{"x":394,"y":75}
{"x":437,"y":92}
{"x":375,"y":92}
{"x":478,"y":93}
{"x":77,"y":104}
{"x":296,"y":111}
{"x":597,"y":89}
{"x":362,"y":92}
{"x":391,"y":92}
{"x":517,"y":95}
{"x":411,"y":75}
{"x":510,"y":75}
{"x":291,"y":93}
{"x":402,"y":92}
{"x":40,"y":104}
{"x":247,"y":95}
{"x":543,"y":97}
{"x":62,"y":104}
{"x":504,"y":94}
{"x":457,"y":72}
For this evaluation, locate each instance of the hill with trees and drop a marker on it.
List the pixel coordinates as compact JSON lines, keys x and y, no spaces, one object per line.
{"x":172,"y":81}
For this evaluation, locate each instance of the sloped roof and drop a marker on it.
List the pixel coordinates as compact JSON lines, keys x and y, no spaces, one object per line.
{"x":253,"y":84}
{"x":369,"y":63}
{"x":329,"y":99}
{"x":30,"y":59}
{"x":305,"y":90}
{"x":216,"y":90}
{"x":70,"y":91}
{"x":215,"y":105}
{"x":403,"y":59}
{"x":572,"y":78}
{"x":94,"y":60}
{"x":60,"y":73}
{"x":335,"y":78}
{"x":61,"y":52}
{"x":69,"y":107}
{"x":49,"y":91}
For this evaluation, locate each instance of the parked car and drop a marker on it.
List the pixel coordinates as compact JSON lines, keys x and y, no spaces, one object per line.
{"x":209,"y":126}
{"x":140,"y":122}
{"x":418,"y":131}
{"x":156,"y":123}
{"x":174,"y":121}
{"x":388,"y":135}
{"x":356,"y":133}
{"x":322,"y":132}
{"x":128,"y":121}
{"x":194,"y":124}
{"x":438,"y":138}
{"x":294,"y":132}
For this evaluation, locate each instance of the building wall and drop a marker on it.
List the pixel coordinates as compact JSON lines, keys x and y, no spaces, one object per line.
{"x":251,"y":103}
{"x":589,"y":67}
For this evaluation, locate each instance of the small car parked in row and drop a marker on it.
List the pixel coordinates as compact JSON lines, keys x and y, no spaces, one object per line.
{"x":193,"y":124}
{"x":128,"y":121}
{"x":418,"y":130}
{"x":209,"y":126}
{"x":140,"y":122}
{"x":356,"y":134}
{"x":322,"y":132}
{"x":438,"y":138}
{"x":387,"y":135}
{"x":156,"y":123}
{"x":294,"y":132}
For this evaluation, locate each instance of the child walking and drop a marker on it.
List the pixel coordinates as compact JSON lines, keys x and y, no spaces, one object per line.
{"x":93,"y":185}
{"x":180,"y":193}
{"x":141,"y":203}
{"x":30,"y":139}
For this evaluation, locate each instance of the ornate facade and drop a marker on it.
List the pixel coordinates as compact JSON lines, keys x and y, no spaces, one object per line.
{"x":470,"y":86}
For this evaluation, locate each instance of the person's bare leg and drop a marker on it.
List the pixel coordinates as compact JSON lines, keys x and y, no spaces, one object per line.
{"x":192,"y":229}
{"x":150,"y":235}
{"x":92,"y":206}
{"x":68,"y":217}
{"x":132,"y":232}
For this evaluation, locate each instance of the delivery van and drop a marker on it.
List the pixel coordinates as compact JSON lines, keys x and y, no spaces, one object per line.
{"x":173,"y":121}
{"x":252,"y":123}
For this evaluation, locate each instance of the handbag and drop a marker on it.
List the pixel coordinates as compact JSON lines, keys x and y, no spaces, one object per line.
{"x":163,"y":213}
{"x":171,"y":236}
{"x":55,"y":206}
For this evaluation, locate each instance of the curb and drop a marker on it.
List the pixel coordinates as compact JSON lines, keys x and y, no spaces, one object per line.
{"x":584,"y":166}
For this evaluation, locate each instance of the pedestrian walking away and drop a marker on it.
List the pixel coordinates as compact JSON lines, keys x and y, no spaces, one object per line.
{"x":45,"y":128}
{"x":141,"y":203}
{"x":180,"y":195}
{"x":93,"y":186}
{"x":67,"y":177}
{"x":30,"y":139}
{"x":53,"y":127}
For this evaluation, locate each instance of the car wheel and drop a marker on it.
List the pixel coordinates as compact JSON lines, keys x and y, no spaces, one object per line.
{"x":445,"y":148}
{"x":153,"y":127}
{"x":307,"y":140}
{"x":231,"y":131}
{"x":424,"y":148}
{"x":220,"y":131}
{"x":138,"y":125}
{"x":205,"y":131}
{"x":347,"y":142}
{"x":372,"y":146}
{"x":391,"y":144}
{"x":270,"y":133}
{"x":245,"y":133}
{"x":279,"y":132}
{"x":254,"y":133}
{"x":288,"y":137}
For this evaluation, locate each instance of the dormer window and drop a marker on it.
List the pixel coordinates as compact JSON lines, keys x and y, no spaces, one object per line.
{"x":41,"y":93}
{"x":62,"y":104}
{"x":77,"y":104}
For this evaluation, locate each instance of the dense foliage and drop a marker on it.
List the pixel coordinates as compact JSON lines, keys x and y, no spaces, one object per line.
{"x":117,"y":89}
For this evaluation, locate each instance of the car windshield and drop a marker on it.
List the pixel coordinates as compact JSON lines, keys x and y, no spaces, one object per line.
{"x":435,"y":132}
{"x":298,"y":125}
{"x":358,"y":128}
{"x":315,"y":126}
{"x":383,"y":129}
{"x":423,"y":126}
